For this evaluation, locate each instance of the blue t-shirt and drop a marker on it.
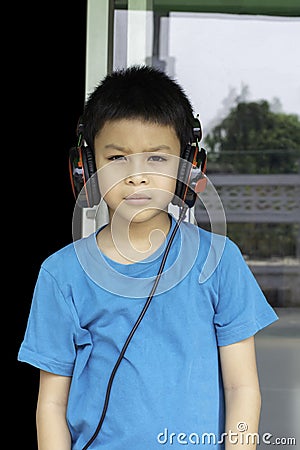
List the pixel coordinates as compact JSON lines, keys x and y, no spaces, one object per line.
{"x":168,"y":389}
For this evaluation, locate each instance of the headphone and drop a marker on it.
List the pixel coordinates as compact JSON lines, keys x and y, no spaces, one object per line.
{"x":191,"y":178}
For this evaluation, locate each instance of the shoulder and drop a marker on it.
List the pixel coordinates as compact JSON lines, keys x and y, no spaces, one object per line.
{"x":67,"y":258}
{"x":215,"y":251}
{"x":210,"y":240}
{"x":61,"y":255}
{"x":207,"y":238}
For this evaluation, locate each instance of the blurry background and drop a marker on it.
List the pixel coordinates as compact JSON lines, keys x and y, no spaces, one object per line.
{"x":238,"y":62}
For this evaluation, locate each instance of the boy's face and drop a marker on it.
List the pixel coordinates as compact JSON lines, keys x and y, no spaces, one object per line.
{"x":137,"y":164}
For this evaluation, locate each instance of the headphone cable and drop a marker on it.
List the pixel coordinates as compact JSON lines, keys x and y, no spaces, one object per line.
{"x":181,"y":217}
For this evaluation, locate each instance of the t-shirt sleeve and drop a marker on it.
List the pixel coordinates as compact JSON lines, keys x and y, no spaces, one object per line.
{"x":50,"y":333}
{"x":242,"y":309}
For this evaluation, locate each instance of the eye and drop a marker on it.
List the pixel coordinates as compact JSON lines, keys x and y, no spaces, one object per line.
{"x":157,"y":158}
{"x":116,"y":158}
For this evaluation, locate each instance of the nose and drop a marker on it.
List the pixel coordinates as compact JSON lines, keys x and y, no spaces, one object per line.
{"x":136,"y":179}
{"x":136,"y":175}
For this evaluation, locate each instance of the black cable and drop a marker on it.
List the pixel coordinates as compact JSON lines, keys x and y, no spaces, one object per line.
{"x":134,"y":328}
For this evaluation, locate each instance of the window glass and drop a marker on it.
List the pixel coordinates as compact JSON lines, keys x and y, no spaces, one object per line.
{"x":242,"y":74}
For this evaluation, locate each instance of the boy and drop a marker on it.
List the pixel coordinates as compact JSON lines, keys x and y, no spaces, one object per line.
{"x":129,"y":359}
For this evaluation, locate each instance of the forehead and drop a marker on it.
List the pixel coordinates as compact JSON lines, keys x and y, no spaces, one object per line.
{"x":137,"y":135}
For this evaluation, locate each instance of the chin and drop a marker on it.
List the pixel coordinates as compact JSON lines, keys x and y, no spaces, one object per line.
{"x":143,"y":216}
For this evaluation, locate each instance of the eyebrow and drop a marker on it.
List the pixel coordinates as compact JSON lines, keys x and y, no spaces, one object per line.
{"x":151,"y":149}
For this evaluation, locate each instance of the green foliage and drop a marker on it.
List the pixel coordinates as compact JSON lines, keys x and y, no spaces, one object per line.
{"x":265,"y":240}
{"x":254,"y":139}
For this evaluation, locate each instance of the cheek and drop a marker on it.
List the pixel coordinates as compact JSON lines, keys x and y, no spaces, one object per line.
{"x":108,"y":180}
{"x":112,"y":198}
{"x":166,"y":177}
{"x":109,"y":193}
{"x":166,"y":183}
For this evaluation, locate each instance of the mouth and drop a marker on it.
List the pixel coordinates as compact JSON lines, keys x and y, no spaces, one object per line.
{"x":137,"y":199}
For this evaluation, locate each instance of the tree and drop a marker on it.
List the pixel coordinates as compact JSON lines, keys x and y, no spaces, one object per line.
{"x":257,"y":138}
{"x":253,"y":138}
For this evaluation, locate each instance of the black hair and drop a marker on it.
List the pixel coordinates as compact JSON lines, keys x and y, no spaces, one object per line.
{"x":138,"y":92}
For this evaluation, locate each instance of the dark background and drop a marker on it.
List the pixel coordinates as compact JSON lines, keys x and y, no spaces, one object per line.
{"x":45,"y":65}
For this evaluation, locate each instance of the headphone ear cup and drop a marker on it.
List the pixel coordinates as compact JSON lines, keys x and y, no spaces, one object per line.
{"x":91,"y":181}
{"x":76,"y":171}
{"x":190,"y":179}
{"x":85,"y":186}
{"x":183,"y":193}
{"x":199,"y":180}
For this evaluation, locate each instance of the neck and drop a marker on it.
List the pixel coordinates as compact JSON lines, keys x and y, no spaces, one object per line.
{"x":135,"y":241}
